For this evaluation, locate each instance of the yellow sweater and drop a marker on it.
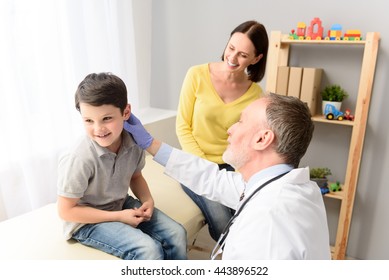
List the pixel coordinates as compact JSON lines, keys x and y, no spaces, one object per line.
{"x":203,"y":118}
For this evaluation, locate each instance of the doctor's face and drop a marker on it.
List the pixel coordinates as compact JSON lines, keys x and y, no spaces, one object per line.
{"x":241,"y":135}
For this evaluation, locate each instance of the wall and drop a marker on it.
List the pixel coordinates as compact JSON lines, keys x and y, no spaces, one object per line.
{"x":142,"y":34}
{"x":186,"y":32}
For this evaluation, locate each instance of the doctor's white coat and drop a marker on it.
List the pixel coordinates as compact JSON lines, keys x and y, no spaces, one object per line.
{"x":284,"y":220}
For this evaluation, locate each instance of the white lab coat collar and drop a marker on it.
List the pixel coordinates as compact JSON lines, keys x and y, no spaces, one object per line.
{"x":265,"y":174}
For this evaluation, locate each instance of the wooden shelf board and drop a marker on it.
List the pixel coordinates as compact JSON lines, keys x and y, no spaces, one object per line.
{"x":337,"y":195}
{"x":285,"y":40}
{"x":321,"y":118}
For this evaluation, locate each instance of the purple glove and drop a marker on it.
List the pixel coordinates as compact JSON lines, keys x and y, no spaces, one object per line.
{"x":136,"y":129}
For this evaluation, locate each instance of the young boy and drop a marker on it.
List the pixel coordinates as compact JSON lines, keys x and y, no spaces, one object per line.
{"x":95,"y":176}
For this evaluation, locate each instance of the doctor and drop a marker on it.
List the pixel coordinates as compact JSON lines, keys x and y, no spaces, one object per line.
{"x":280,"y":213}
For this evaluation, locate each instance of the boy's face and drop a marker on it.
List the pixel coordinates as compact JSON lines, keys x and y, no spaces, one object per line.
{"x":104,"y":124}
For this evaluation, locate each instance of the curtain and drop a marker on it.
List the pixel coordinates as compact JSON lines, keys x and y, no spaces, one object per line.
{"x":46,"y":48}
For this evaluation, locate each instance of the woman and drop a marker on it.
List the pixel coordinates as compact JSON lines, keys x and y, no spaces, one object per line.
{"x":211,"y":100}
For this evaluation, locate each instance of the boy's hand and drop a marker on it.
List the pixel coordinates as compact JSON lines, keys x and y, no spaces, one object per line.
{"x":147,"y":209}
{"x":132,"y":217}
{"x":141,"y":136}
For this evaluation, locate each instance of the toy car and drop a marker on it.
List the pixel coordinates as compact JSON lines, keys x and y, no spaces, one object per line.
{"x":334,"y":187}
{"x":332,"y":113}
{"x":324,"y":190}
{"x":348,"y":115}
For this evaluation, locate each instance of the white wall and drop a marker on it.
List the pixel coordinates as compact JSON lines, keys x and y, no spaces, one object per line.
{"x":187,"y":32}
{"x":142,"y":32}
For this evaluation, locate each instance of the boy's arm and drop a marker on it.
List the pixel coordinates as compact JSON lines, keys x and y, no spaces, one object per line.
{"x":141,"y":190}
{"x":69,"y":210}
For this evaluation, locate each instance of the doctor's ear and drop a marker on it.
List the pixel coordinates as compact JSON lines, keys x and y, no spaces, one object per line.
{"x":264,"y":139}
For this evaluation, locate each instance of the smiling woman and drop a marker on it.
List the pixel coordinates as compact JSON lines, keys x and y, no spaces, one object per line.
{"x":47,"y":47}
{"x":211,"y":100}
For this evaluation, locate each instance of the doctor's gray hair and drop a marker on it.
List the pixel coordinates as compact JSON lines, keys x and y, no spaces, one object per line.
{"x":290,"y":120}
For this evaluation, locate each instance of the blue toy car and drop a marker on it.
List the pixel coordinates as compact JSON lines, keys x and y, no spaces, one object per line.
{"x":331,"y":113}
{"x":324,"y":190}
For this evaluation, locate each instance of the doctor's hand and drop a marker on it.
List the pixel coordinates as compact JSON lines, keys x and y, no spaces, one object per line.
{"x":137,"y":130}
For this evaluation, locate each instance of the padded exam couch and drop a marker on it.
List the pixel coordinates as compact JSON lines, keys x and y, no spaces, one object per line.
{"x":38,"y":234}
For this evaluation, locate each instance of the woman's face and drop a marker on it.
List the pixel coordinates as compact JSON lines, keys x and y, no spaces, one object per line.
{"x":240,"y":53}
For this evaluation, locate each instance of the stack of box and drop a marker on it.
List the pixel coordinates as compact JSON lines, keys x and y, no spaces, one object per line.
{"x":303,"y":83}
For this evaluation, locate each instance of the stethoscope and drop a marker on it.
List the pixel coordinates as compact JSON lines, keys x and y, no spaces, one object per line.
{"x":218,"y":249}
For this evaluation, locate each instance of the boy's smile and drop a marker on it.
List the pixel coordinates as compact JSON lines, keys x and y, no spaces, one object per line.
{"x":104,"y":124}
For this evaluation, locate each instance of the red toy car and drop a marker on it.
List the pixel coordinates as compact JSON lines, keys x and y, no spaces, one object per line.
{"x":348,"y":116}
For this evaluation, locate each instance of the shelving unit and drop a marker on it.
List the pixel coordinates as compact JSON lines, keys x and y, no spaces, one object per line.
{"x":279,"y":53}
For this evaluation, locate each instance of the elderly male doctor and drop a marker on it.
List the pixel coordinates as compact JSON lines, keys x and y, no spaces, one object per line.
{"x":280,"y":213}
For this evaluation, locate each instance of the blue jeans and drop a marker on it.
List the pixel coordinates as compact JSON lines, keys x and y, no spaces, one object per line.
{"x":216,"y":215}
{"x":158,"y":239}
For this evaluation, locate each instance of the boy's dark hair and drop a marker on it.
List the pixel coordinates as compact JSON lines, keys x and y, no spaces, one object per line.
{"x":258,"y":35}
{"x":102,"y":89}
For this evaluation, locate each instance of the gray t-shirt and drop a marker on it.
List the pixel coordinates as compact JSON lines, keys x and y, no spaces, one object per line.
{"x":99,"y":177}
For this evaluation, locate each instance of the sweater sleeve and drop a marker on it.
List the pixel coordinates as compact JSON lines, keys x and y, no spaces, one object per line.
{"x":184,"y":121}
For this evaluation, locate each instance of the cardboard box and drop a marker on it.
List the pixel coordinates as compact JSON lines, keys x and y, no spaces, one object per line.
{"x":295,"y":78}
{"x":282,"y":80}
{"x":310,"y":88}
